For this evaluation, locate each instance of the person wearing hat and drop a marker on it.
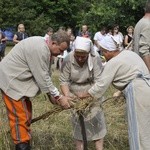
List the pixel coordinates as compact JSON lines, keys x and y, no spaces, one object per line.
{"x":128,"y":73}
{"x":80,"y":70}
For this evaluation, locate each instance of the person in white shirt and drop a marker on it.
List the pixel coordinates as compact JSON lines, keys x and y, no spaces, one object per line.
{"x":118,"y":36}
{"x":98,"y":37}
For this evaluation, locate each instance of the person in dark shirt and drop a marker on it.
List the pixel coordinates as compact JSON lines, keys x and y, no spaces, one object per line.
{"x":20,"y":35}
{"x":3,"y":40}
{"x":128,"y":38}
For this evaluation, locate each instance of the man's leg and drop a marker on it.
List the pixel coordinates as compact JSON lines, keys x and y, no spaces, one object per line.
{"x":19,"y":116}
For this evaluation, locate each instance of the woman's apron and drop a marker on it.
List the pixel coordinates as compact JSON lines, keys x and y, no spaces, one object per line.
{"x":137,"y":95}
{"x":94,"y":120}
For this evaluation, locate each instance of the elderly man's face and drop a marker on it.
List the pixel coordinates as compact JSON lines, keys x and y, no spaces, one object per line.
{"x":106,"y":54}
{"x":57,"y":49}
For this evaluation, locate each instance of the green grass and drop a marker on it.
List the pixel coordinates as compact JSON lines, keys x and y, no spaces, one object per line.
{"x":55,"y":132}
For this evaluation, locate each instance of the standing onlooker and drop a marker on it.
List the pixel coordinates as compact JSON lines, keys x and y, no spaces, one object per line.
{"x":72,"y":39}
{"x":141,"y":39}
{"x":60,"y":57}
{"x":72,"y":42}
{"x":20,"y":35}
{"x":80,"y":70}
{"x":84,"y":32}
{"x":118,"y":36}
{"x":68,"y":50}
{"x":48,"y":34}
{"x":70,"y":33}
{"x":3,"y":40}
{"x":129,"y":38}
{"x":47,"y":38}
{"x":98,"y":37}
{"x":25,"y":72}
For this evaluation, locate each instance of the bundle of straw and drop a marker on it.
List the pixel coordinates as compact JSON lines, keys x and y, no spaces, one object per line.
{"x":79,"y":105}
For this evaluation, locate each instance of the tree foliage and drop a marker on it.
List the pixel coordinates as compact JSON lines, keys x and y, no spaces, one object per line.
{"x":121,"y":12}
{"x":38,"y":15}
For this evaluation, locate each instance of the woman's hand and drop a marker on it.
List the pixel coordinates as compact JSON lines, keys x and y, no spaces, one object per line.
{"x":64,"y":101}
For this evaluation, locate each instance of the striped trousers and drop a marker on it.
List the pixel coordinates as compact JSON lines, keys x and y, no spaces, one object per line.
{"x":19,"y":116}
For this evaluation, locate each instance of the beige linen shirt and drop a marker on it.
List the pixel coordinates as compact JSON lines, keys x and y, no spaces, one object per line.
{"x":141,"y":38}
{"x":119,"y":71}
{"x":26,"y":69}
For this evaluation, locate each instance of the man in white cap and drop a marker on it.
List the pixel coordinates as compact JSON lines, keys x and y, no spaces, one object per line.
{"x":128,"y":73}
{"x":80,"y":70}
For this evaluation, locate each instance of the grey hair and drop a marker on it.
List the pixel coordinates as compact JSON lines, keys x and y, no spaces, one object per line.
{"x":60,"y":37}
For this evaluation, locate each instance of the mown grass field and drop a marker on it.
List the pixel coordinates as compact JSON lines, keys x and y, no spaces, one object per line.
{"x":55,"y":132}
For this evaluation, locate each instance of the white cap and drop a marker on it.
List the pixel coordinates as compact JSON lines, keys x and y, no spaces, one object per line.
{"x":84,"y":44}
{"x":109,"y":43}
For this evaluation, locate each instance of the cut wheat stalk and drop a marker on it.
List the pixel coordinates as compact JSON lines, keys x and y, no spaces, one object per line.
{"x":77,"y":104}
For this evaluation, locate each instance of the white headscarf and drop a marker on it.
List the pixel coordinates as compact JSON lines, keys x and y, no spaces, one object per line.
{"x":109,"y":43}
{"x":83,"y":44}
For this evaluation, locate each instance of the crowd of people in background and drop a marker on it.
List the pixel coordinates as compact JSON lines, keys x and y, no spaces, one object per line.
{"x":18,"y":36}
{"x":125,"y":41}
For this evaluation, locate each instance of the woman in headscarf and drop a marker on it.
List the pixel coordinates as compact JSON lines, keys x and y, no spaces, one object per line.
{"x":80,"y":70}
{"x":128,"y":73}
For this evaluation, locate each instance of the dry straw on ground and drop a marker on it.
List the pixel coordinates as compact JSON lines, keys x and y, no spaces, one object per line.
{"x":79,"y":105}
{"x":55,"y":131}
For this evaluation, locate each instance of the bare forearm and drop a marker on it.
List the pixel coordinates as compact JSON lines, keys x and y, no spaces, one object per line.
{"x":65,"y":90}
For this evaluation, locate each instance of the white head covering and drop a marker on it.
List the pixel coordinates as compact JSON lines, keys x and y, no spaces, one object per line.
{"x":109,"y":43}
{"x":83,"y":44}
